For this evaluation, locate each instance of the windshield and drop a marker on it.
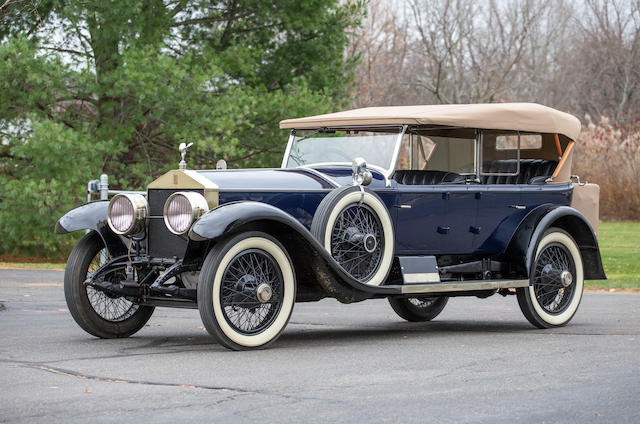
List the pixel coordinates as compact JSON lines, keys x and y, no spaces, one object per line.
{"x":342,"y":146}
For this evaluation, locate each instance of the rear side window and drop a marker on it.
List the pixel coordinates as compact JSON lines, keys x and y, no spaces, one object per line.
{"x":527,"y":141}
{"x":500,"y":153}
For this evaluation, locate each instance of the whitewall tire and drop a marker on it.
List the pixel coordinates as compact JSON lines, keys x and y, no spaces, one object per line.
{"x":96,"y":312}
{"x":557,"y":281}
{"x":246,"y":291}
{"x":355,"y":227}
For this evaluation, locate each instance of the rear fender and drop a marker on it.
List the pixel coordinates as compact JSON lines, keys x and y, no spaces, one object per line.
{"x":92,"y":216}
{"x":524,"y":243}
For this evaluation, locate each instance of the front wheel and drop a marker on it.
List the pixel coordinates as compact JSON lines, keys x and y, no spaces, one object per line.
{"x":246,"y":291}
{"x":96,"y":312}
{"x":418,"y":309}
{"x":557,"y":281}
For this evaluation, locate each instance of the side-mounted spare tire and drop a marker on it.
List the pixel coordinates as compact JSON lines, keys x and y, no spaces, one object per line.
{"x":354,"y":225}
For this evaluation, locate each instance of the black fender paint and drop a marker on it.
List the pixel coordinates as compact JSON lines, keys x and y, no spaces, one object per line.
{"x":92,"y":216}
{"x":229,"y":217}
{"x":524,"y":242}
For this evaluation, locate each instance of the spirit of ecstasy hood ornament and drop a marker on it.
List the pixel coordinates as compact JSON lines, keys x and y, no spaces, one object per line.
{"x":183,"y":152}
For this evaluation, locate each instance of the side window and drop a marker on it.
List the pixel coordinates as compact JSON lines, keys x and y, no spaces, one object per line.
{"x":427,"y":150}
{"x":452,"y":154}
{"x":415,"y":152}
{"x":500,"y":153}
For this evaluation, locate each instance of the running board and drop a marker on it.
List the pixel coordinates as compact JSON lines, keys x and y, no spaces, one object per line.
{"x":456,"y":286}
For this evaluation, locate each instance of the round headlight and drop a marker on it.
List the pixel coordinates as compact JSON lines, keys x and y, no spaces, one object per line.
{"x":182,"y":209}
{"x":127,"y":212}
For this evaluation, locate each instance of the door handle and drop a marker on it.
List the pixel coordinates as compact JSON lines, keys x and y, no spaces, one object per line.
{"x":519,"y":207}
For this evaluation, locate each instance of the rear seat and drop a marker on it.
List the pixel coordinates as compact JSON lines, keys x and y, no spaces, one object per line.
{"x":415,"y":177}
{"x":532,"y":171}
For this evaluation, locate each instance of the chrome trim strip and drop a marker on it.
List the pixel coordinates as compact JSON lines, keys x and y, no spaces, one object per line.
{"x":288,"y":149}
{"x":421,"y":277}
{"x":274,"y":190}
{"x":396,"y":153}
{"x":206,"y":182}
{"x":463,"y":286}
{"x":319,"y":174}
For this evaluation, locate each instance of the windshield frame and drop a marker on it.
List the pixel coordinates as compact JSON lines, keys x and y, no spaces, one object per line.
{"x":384,"y":171}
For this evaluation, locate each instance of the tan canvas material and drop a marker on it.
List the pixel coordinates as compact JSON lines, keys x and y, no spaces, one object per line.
{"x":586,"y":200}
{"x":500,"y":116}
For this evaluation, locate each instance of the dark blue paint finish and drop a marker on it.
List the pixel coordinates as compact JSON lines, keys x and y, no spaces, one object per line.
{"x":466,"y":219}
{"x":442,"y":219}
{"x":500,"y":218}
{"x":301,"y":206}
{"x":296,"y":191}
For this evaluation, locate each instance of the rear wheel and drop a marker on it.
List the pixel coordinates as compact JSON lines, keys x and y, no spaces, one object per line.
{"x":96,"y":312}
{"x":246,"y":291}
{"x":557,"y":281}
{"x":418,"y":309}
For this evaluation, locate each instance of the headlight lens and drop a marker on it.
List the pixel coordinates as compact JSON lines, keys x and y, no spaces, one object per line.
{"x":182,"y":209}
{"x":127,"y":212}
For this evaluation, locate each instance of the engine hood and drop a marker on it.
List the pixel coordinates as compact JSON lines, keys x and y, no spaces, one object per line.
{"x":261,"y":179}
{"x":246,"y":180}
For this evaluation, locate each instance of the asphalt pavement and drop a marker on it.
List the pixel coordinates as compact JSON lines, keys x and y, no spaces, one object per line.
{"x":480,"y":361}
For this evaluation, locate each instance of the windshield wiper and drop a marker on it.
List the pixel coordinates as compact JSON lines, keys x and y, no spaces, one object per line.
{"x":323,"y":130}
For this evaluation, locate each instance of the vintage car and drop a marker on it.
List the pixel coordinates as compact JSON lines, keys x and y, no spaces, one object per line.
{"x":414,"y":204}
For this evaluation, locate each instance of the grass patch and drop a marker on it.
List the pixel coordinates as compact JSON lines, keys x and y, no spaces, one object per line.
{"x":620,"y":251}
{"x":31,"y":265}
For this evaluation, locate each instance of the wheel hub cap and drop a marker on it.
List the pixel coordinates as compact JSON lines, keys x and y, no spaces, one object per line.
{"x":566,"y":278}
{"x":370,"y":243}
{"x":264,"y":293}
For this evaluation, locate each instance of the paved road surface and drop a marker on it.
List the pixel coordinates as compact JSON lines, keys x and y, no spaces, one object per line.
{"x":480,"y":361}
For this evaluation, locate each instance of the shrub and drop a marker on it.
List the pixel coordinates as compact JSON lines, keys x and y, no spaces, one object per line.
{"x":609,"y":155}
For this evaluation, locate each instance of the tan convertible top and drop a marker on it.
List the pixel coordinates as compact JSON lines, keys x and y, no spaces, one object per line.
{"x":500,"y":116}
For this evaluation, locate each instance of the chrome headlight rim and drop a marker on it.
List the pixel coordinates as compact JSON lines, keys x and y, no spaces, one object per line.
{"x":140,"y":208}
{"x":198,"y":206}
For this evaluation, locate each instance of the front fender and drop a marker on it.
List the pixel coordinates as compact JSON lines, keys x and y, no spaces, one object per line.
{"x":92,"y":216}
{"x":229,"y":217}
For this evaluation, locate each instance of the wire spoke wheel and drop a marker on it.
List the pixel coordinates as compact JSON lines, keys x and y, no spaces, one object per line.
{"x":251,"y":291}
{"x":356,"y":241}
{"x":246,"y":290}
{"x":556,"y":281}
{"x":422,"y":303}
{"x":96,"y":312}
{"x":553,"y":278}
{"x":109,"y":308}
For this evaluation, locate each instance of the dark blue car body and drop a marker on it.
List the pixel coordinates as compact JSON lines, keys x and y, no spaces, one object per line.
{"x":443,"y":210}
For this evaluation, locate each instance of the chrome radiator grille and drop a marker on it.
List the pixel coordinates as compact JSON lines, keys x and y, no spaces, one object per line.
{"x":160,"y":241}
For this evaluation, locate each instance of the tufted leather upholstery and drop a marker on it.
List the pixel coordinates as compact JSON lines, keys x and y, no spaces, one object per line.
{"x":530,"y":171}
{"x":414,"y":177}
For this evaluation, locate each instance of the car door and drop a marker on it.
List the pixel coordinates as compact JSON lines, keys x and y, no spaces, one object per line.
{"x":434,"y":214}
{"x":499,"y":197}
